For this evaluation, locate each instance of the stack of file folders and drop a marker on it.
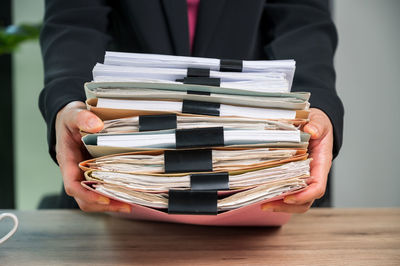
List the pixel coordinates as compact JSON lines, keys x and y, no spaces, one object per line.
{"x":196,"y":140}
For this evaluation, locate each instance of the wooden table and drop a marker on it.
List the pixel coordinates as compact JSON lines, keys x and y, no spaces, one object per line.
{"x":321,"y":237}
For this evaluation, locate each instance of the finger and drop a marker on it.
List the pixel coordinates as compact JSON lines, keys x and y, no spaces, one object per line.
{"x":316,"y":184}
{"x":114,"y":206}
{"x":314,"y":191}
{"x":72,"y":177}
{"x":315,"y":129}
{"x":320,"y":168}
{"x":68,"y":156}
{"x":75,"y":189}
{"x":319,"y":124}
{"x":280,"y":206}
{"x":72,"y":183}
{"x":87,"y":121}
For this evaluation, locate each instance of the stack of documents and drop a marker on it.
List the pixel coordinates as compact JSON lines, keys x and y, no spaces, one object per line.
{"x":274,"y":75}
{"x":221,"y":159}
{"x":190,"y":136}
{"x":132,"y":124}
{"x":265,"y":191}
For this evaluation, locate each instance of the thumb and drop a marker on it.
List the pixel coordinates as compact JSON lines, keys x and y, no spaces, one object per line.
{"x":319,"y":124}
{"x":88,"y":122}
{"x":314,"y":129}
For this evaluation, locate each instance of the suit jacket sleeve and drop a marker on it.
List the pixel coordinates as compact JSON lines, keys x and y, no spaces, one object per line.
{"x":73,"y":38}
{"x":303,"y":30}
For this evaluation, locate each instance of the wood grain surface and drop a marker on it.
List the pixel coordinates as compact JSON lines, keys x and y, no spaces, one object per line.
{"x":319,"y":237}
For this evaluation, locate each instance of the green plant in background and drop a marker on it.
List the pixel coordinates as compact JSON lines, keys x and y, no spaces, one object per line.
{"x":13,"y":35}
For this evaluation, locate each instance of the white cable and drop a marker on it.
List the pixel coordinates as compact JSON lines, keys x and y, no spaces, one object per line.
{"x":13,"y":230}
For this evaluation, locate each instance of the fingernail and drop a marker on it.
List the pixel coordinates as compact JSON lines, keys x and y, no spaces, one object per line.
{"x":103,"y":201}
{"x":125,"y":209}
{"x":289,"y":200}
{"x":312,"y":130}
{"x":93,"y":123}
{"x":267,"y":208}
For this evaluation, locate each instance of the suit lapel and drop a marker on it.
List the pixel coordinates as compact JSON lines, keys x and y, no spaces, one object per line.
{"x":177,"y":21}
{"x":207,"y":18}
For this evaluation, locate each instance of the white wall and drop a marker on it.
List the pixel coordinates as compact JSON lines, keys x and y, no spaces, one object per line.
{"x":368,"y":80}
{"x":35,"y":172}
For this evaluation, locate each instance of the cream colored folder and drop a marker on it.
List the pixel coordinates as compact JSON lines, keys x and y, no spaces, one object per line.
{"x":135,"y":90}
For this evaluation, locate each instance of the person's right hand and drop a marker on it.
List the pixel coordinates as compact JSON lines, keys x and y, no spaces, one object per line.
{"x":70,"y":151}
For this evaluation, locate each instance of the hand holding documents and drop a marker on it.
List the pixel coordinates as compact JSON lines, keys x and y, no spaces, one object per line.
{"x":196,"y":140}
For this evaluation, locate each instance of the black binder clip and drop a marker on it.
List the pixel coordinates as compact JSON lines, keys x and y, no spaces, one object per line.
{"x":198,"y":72}
{"x":209,"y":181}
{"x":198,"y":92}
{"x":230,"y":65}
{"x":157,"y":122}
{"x":200,"y":108}
{"x":201,"y":81}
{"x":199,"y":137}
{"x":192,"y":202}
{"x":176,"y":161}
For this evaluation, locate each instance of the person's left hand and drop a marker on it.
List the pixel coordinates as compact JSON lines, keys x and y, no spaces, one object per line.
{"x":320,"y":149}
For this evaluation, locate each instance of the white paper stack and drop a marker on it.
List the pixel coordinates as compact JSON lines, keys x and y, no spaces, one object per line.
{"x":222,"y":160}
{"x":175,"y":123}
{"x":177,"y":107}
{"x":131,"y":124}
{"x":276,"y":68}
{"x":167,"y":140}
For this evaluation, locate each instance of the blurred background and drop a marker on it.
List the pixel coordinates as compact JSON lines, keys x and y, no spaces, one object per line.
{"x":368,"y":76}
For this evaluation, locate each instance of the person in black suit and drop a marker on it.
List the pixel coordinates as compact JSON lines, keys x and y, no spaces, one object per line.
{"x":76,"y":34}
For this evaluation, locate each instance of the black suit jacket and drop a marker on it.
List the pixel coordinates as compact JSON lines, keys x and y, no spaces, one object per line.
{"x":76,"y":34}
